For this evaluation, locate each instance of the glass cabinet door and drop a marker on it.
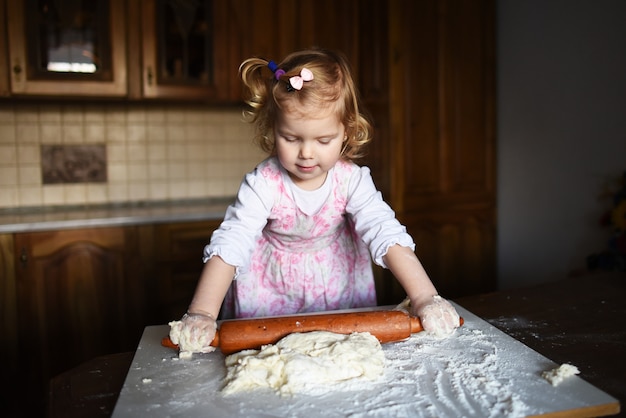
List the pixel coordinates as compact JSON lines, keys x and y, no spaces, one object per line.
{"x":178,"y":49}
{"x":67,"y":47}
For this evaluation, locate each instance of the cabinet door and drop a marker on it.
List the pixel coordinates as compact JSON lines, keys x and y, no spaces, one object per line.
{"x":67,"y":48}
{"x":8,"y":319}
{"x":272,"y":29}
{"x":4,"y":64}
{"x":373,"y":82}
{"x":443,"y":141}
{"x":178,"y":265}
{"x":79,"y":295}
{"x":183,"y":50}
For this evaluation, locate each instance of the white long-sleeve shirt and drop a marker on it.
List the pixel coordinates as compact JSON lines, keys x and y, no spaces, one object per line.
{"x":374,"y":220}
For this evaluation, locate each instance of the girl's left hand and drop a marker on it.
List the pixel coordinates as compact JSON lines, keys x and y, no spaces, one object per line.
{"x":438,"y":316}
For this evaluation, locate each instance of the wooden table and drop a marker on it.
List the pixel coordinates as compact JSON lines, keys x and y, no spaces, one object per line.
{"x":577,"y":320}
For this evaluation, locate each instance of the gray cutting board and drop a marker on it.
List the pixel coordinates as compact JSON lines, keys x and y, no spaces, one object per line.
{"x":478,"y":372}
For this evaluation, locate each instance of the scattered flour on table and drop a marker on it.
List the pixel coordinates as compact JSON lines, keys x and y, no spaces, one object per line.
{"x":558,"y":374}
{"x":424,"y":376}
{"x":306,"y":362}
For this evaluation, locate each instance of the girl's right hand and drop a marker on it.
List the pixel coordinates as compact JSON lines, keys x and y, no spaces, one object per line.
{"x":194,"y":333}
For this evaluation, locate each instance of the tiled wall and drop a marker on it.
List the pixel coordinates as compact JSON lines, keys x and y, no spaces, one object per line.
{"x":153,"y":152}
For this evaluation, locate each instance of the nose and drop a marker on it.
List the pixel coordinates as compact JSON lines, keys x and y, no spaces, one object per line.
{"x":306,"y":150}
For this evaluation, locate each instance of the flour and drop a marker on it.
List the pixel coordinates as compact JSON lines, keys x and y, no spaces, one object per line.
{"x":305,"y":362}
{"x":557,"y":375}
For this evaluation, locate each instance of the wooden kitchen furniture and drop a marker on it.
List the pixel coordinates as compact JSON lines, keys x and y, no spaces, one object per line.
{"x":69,"y":295}
{"x":145,"y":50}
{"x":425,"y":70}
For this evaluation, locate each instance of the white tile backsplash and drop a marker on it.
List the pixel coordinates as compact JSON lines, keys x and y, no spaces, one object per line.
{"x":8,"y":154}
{"x":153,"y":152}
{"x":8,"y":175}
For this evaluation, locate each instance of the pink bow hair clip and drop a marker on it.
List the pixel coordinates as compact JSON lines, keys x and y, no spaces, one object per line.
{"x":297,"y":81}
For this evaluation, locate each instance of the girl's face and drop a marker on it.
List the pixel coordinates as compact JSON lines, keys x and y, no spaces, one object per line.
{"x":308,"y":144}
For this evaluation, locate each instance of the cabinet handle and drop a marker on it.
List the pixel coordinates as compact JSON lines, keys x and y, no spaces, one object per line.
{"x":17,"y":70}
{"x":150,"y":76}
{"x":24,"y":257}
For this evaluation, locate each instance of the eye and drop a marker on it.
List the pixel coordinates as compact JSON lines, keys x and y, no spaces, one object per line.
{"x":289,"y":138}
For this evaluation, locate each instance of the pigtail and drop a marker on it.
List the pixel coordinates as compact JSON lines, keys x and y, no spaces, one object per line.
{"x":257,"y":87}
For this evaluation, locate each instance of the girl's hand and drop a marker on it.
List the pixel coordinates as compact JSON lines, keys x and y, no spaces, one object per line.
{"x":194,"y":333}
{"x":438,"y":316}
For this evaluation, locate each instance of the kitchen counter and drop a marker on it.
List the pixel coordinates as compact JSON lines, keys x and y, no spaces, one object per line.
{"x":576,"y":320}
{"x":82,"y":216}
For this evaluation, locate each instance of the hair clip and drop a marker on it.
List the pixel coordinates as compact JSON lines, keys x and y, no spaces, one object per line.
{"x":297,"y":81}
{"x":277,"y":71}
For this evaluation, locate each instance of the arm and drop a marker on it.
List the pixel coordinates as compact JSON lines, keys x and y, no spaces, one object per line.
{"x":408,"y":270}
{"x":392,"y":247}
{"x":232,"y":243}
{"x":197,"y":328}
{"x":228,"y":250}
{"x":212,"y":287}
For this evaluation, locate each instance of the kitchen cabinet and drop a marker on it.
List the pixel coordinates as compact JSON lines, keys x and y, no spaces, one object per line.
{"x":442,"y":162}
{"x":8,"y":319}
{"x":66,"y":48}
{"x":372,"y":70}
{"x":272,"y":29}
{"x":153,"y":50}
{"x":70,"y":295}
{"x":4,"y":65}
{"x":182,"y":50}
{"x":136,"y":50}
{"x":79,"y":294}
{"x":178,"y":265}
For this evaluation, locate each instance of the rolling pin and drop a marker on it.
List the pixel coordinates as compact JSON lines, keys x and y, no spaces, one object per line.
{"x":242,"y":334}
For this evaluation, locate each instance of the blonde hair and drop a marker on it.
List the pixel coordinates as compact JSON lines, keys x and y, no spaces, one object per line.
{"x":332,"y":86}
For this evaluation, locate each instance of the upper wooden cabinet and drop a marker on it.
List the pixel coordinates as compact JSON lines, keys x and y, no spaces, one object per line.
{"x":159,"y":49}
{"x":144,"y":49}
{"x":182,"y":48}
{"x":66,"y":47}
{"x":272,"y":29}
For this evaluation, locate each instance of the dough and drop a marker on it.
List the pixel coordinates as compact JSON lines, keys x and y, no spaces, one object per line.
{"x":556,"y":376}
{"x":305,"y":362}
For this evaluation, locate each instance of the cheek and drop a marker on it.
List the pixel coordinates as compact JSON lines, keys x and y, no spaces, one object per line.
{"x":282,"y":151}
{"x":333,"y":152}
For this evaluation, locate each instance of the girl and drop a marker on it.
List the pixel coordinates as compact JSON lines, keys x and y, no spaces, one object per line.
{"x":305,"y":222}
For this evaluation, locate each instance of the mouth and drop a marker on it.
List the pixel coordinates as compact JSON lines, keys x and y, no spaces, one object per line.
{"x":306,"y":169}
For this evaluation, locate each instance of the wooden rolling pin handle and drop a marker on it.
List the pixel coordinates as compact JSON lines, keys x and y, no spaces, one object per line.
{"x":166,"y":342}
{"x":216,"y":339}
{"x":416,"y":324}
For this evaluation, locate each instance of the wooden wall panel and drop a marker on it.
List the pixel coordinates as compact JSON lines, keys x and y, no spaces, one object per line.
{"x":442,"y":137}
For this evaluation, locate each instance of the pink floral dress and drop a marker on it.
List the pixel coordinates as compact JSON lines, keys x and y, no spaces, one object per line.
{"x":304,"y":263}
